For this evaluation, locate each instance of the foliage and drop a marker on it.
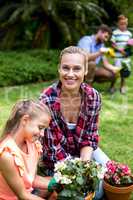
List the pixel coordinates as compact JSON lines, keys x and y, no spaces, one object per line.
{"x":55,"y":23}
{"x":29,"y":66}
{"x":77,"y":176}
{"x":46,"y":23}
{"x":118,"y":174}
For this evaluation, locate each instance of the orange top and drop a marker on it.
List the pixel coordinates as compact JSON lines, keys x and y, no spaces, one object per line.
{"x":26,"y":165}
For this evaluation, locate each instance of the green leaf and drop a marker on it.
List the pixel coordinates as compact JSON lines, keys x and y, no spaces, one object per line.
{"x":80,"y":180}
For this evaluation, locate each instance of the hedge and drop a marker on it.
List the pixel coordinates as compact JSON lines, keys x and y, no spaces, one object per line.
{"x":28,"y":66}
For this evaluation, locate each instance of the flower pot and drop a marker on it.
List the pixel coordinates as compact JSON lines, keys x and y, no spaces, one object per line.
{"x":117,"y":193}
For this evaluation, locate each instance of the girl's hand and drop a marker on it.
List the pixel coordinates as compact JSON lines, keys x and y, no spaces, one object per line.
{"x":53,"y":196}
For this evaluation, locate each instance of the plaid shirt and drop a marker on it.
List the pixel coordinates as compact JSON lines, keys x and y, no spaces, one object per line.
{"x":58,"y":141}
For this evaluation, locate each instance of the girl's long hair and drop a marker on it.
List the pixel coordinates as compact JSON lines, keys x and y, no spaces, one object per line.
{"x":21,"y":108}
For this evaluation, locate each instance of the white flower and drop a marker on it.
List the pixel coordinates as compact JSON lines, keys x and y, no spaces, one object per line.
{"x":63,"y":179}
{"x":101,"y":172}
{"x":76,"y":160}
{"x":60,"y":166}
{"x":58,"y":176}
{"x":66,"y":180}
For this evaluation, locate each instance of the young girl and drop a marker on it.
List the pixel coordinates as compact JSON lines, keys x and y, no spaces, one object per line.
{"x":20,"y":150}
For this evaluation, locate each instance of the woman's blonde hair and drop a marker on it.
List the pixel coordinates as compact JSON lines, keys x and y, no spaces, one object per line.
{"x":74,"y":50}
{"x":21,"y":108}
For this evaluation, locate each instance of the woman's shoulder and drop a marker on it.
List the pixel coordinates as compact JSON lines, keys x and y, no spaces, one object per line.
{"x":89,"y":90}
{"x":50,"y":89}
{"x":50,"y":94}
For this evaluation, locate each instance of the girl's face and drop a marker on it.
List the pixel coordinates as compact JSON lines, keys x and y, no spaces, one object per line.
{"x":122,"y":25}
{"x":34,"y":128}
{"x":72,"y":71}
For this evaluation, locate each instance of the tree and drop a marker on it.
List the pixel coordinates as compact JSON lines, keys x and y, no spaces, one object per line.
{"x":46,"y":23}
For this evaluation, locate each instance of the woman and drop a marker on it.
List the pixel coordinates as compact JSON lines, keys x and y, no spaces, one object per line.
{"x":74,"y":108}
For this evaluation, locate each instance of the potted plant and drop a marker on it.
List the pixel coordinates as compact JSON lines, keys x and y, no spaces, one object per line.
{"x":118,"y":181}
{"x":79,"y":178}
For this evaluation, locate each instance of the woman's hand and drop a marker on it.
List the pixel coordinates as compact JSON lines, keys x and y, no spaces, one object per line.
{"x":86,"y":153}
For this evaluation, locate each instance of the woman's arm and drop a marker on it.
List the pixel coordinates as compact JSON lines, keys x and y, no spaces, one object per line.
{"x":13,"y":179}
{"x":86,"y":153}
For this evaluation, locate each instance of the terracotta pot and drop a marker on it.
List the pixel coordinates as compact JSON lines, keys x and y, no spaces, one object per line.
{"x":117,"y":193}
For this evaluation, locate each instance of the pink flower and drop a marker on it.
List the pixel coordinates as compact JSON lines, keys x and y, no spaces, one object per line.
{"x":118,"y":174}
{"x":126,"y":170}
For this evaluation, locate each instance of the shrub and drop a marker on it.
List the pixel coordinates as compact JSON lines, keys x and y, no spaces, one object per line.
{"x":29,"y":66}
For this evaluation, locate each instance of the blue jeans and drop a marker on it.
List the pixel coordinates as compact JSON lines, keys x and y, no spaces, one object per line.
{"x":99,"y":192}
{"x":99,"y":156}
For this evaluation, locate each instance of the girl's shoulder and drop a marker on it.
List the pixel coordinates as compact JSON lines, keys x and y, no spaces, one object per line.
{"x":9,"y":153}
{"x":6,"y":146}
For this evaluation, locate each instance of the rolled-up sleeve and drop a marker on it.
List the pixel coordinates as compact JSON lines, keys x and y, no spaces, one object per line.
{"x":89,"y":136}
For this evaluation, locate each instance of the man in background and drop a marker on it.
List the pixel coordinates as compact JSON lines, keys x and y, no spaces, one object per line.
{"x":100,"y":70}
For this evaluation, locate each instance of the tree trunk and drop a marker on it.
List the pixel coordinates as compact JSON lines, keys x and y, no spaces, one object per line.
{"x":50,"y":10}
{"x":9,"y":38}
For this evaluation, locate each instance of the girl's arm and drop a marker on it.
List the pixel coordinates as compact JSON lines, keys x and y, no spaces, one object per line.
{"x":41,"y":182}
{"x":13,"y":178}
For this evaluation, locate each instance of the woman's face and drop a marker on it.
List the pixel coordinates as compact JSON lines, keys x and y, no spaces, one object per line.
{"x":72,"y":71}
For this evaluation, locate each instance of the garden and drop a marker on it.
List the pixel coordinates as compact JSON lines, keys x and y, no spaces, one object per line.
{"x":116,"y":113}
{"x":32,"y":35}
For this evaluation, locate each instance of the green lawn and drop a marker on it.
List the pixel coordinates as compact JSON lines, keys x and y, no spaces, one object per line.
{"x":116,"y":123}
{"x":115,"y":119}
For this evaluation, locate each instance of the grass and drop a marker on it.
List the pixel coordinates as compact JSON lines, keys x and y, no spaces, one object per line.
{"x":9,"y":95}
{"x":116,"y":123}
{"x":115,"y":119}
